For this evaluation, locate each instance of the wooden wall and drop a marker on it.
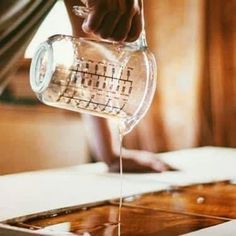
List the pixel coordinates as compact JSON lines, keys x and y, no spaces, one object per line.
{"x":36,"y":136}
{"x":194,"y":43}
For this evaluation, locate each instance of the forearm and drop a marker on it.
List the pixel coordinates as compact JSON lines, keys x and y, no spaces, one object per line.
{"x":103,"y":144}
{"x":100,"y":139}
{"x":99,"y":136}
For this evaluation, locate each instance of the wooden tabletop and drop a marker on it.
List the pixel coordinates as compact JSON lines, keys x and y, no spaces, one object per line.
{"x":150,"y":208}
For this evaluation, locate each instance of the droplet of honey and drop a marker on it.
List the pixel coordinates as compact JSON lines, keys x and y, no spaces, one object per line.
{"x":200,"y":200}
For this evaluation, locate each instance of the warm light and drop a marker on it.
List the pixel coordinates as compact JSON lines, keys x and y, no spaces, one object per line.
{"x":64,"y":53}
{"x":57,"y":22}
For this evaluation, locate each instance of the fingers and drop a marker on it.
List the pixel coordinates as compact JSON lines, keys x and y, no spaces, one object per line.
{"x":109,"y":24}
{"x":139,"y":162}
{"x":136,"y":28}
{"x":122,"y":29}
{"x":159,"y":166}
{"x":114,"y":20}
{"x":94,"y":19}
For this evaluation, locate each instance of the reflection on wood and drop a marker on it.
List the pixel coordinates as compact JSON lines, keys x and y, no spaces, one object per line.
{"x":102,"y":220}
{"x":171,"y":212}
{"x":215,"y":199}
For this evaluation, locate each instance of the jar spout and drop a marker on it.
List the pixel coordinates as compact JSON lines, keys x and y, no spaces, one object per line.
{"x":140,"y":43}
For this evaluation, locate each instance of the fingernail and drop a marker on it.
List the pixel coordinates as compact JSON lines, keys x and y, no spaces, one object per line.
{"x":161,"y":167}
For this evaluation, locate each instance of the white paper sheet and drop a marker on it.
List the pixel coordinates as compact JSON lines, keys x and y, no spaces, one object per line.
{"x":32,"y":192}
{"x":199,"y":165}
{"x":29,"y":193}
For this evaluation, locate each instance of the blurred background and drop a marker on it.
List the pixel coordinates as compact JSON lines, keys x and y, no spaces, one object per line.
{"x":194,"y":42}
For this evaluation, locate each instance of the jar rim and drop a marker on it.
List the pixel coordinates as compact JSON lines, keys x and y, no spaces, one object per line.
{"x":38,"y":82}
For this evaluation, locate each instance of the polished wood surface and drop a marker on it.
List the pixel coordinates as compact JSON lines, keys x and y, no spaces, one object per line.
{"x":172,"y":212}
{"x":214,"y":199}
{"x":102,"y":220}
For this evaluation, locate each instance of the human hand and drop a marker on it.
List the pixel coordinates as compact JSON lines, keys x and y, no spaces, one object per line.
{"x":117,"y":20}
{"x":138,"y":161}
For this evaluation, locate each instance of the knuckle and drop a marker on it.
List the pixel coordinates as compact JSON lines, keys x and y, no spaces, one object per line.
{"x":85,"y":29}
{"x":133,"y":11}
{"x":90,"y":27}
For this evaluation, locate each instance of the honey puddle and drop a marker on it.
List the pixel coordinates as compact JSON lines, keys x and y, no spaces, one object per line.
{"x":169,"y":212}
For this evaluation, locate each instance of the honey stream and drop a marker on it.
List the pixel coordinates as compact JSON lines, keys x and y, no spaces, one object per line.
{"x":121,"y":182}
